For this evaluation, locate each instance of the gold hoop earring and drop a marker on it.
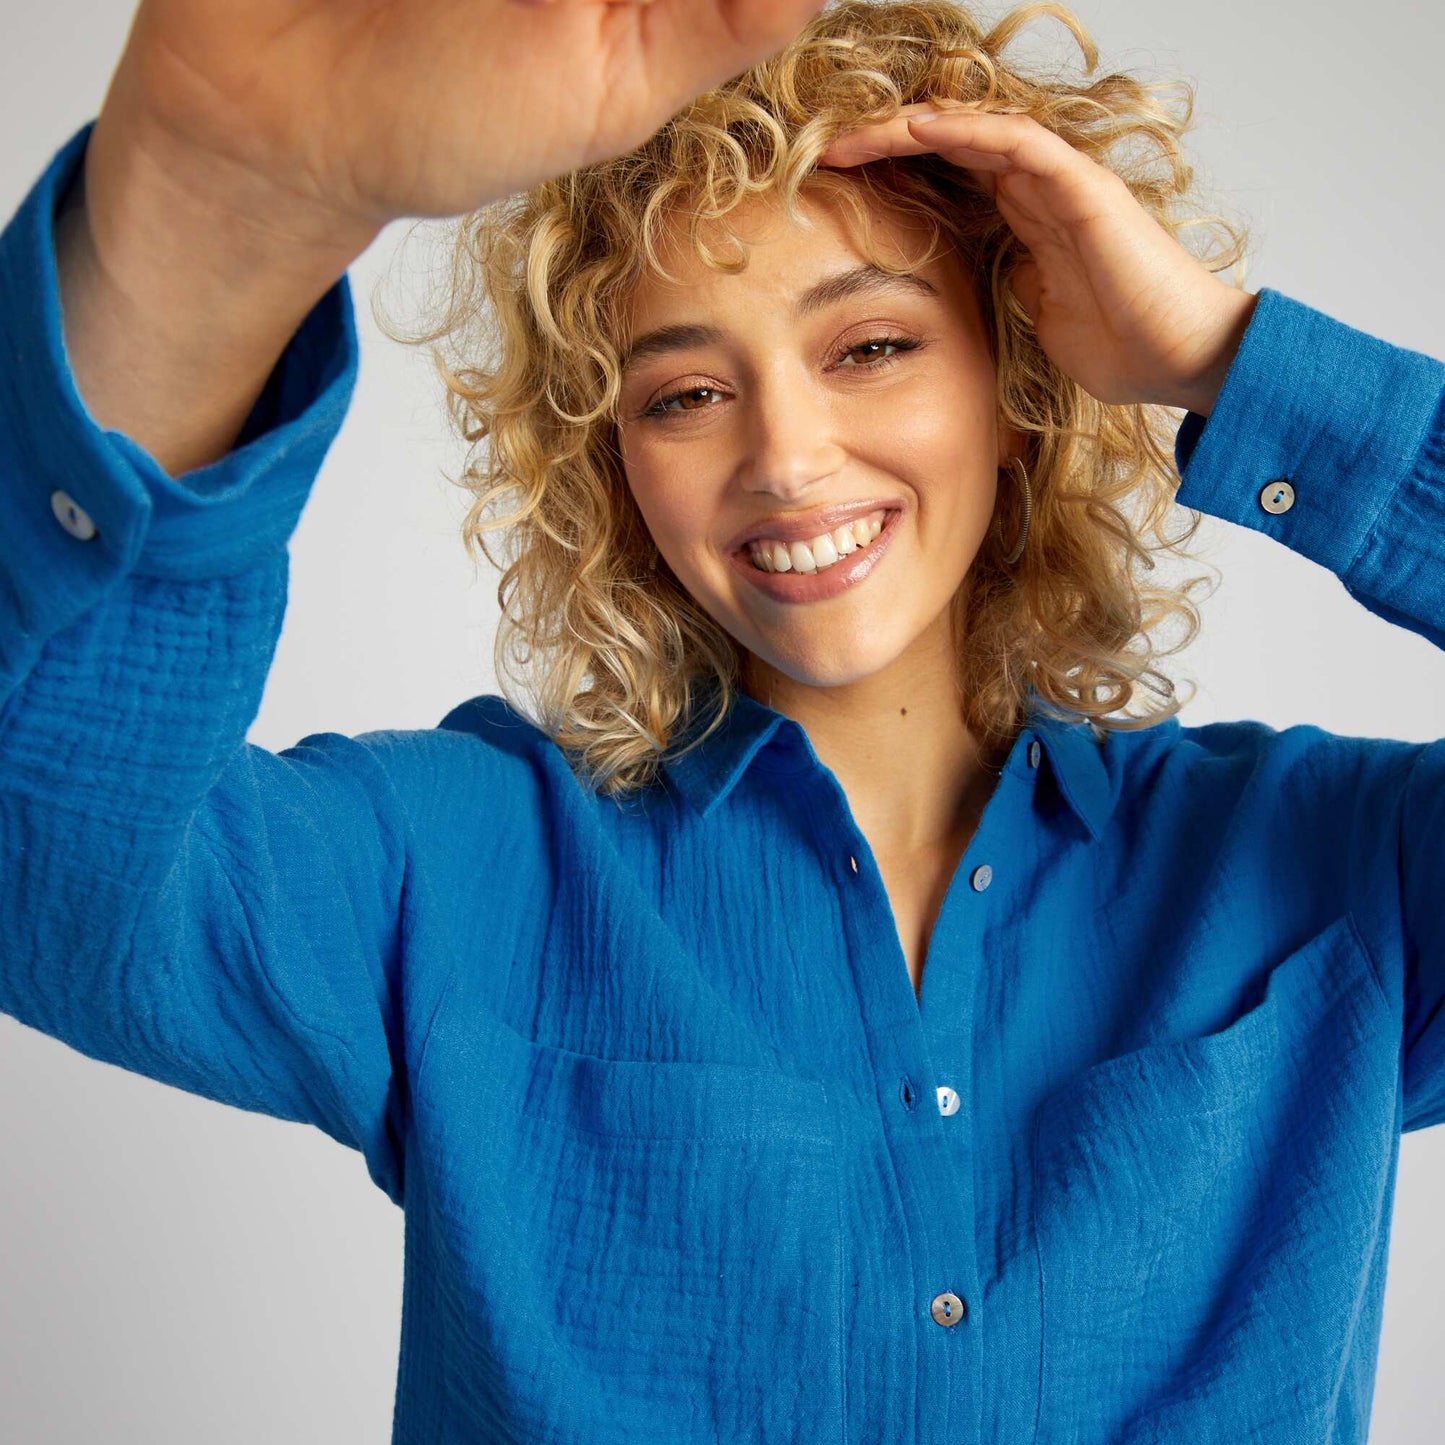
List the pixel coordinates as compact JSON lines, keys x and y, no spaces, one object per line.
{"x":1018,"y":551}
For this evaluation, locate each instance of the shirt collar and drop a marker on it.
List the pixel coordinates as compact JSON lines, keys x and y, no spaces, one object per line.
{"x":709,"y":771}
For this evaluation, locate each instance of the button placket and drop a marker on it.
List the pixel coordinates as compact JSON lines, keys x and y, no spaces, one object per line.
{"x":947,"y":1308}
{"x":934,"y":1246}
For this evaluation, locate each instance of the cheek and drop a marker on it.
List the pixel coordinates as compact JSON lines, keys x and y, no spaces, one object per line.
{"x":953,"y":424}
{"x":948,"y":453}
{"x":676,"y":511}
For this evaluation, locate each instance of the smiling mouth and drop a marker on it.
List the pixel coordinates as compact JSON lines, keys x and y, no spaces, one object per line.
{"x":819,"y":553}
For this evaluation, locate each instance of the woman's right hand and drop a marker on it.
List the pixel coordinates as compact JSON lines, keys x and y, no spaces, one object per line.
{"x":248,"y":151}
{"x":357,"y":112}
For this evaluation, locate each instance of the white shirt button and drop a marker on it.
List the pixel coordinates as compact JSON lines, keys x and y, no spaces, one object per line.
{"x":947,"y":1308}
{"x":852,"y":862}
{"x":1035,"y":753}
{"x":982,"y":877}
{"x":1277,"y":496}
{"x":947,"y":1100}
{"x":73,"y":517}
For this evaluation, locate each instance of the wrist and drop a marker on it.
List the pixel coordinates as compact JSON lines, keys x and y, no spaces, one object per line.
{"x":162,"y":215}
{"x":1220,"y":344}
{"x":176,"y":305}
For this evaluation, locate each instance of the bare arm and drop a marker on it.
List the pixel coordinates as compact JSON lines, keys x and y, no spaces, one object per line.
{"x":176,"y":307}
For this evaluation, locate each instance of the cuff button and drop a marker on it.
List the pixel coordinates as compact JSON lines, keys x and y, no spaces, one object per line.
{"x":1277,"y":496}
{"x":73,"y":517}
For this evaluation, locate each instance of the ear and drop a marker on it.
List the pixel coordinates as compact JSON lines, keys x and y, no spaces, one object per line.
{"x":1011,"y":443}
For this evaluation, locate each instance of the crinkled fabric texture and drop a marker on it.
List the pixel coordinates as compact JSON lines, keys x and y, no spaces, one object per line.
{"x":676,"y":1144}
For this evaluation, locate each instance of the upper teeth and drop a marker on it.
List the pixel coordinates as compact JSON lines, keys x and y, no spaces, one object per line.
{"x":820,"y":552}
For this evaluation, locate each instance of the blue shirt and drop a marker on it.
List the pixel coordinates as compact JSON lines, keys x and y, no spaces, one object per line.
{"x":682,"y":1157}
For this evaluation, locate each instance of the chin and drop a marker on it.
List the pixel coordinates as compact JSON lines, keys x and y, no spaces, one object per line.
{"x":841,"y":671}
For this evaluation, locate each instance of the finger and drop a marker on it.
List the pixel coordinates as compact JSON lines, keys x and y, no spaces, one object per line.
{"x":866,"y":143}
{"x":878,"y":138}
{"x":704,"y":44}
{"x":998,"y":140}
{"x":1059,"y":184}
{"x":1011,"y":142}
{"x":767,"y":23}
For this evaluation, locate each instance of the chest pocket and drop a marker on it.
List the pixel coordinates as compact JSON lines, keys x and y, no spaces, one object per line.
{"x":1183,"y":1196}
{"x":645,"y":1251}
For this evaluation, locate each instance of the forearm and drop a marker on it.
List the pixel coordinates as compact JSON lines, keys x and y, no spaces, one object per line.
{"x":240,"y":906}
{"x":180,"y":291}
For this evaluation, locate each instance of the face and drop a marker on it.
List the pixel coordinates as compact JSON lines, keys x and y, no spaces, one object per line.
{"x":761,"y":405}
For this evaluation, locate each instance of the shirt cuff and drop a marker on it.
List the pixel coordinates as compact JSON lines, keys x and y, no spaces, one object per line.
{"x":1337,"y":413}
{"x":216,"y":520}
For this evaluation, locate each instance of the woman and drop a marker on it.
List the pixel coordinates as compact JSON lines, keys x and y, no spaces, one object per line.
{"x":614,"y":1006}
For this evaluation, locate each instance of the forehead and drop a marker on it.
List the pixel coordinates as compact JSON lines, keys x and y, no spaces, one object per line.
{"x":781,"y":259}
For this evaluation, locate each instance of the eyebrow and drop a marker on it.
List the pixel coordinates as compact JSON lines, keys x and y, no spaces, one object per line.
{"x":859,"y":281}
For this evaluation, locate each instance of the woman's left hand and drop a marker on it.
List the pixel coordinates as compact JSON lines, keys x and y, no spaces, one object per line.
{"x":1117,"y":303}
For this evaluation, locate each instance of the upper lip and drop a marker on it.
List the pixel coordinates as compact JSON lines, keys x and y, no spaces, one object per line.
{"x":803,"y":526}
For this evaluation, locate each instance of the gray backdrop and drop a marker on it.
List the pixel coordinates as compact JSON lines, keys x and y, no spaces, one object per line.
{"x":174,"y":1270}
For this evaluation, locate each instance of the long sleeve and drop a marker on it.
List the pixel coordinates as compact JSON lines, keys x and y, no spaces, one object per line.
{"x":175,"y":900}
{"x":1332,"y":441}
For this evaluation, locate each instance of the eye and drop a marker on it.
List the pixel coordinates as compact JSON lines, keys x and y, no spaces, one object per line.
{"x":662,"y":407}
{"x":899,"y":343}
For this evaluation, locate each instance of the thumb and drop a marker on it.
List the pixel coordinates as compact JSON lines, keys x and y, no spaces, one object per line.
{"x":763,"y":27}
{"x":722,"y":38}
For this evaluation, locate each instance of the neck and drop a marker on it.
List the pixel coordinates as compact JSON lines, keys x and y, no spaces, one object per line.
{"x":913,"y":773}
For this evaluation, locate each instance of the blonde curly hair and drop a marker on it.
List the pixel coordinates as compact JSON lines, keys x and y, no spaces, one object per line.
{"x":616,"y":656}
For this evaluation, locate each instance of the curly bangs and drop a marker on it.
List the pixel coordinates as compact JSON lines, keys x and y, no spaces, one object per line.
{"x":598,"y":642}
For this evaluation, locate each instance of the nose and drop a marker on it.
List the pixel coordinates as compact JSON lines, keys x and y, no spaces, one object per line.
{"x":792,"y":443}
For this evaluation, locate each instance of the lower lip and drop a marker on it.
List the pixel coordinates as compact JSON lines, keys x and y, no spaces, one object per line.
{"x":817,"y":586}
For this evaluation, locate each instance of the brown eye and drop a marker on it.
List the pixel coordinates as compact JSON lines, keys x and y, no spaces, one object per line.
{"x":663,"y":407}
{"x":660,"y":406}
{"x":898,"y":343}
